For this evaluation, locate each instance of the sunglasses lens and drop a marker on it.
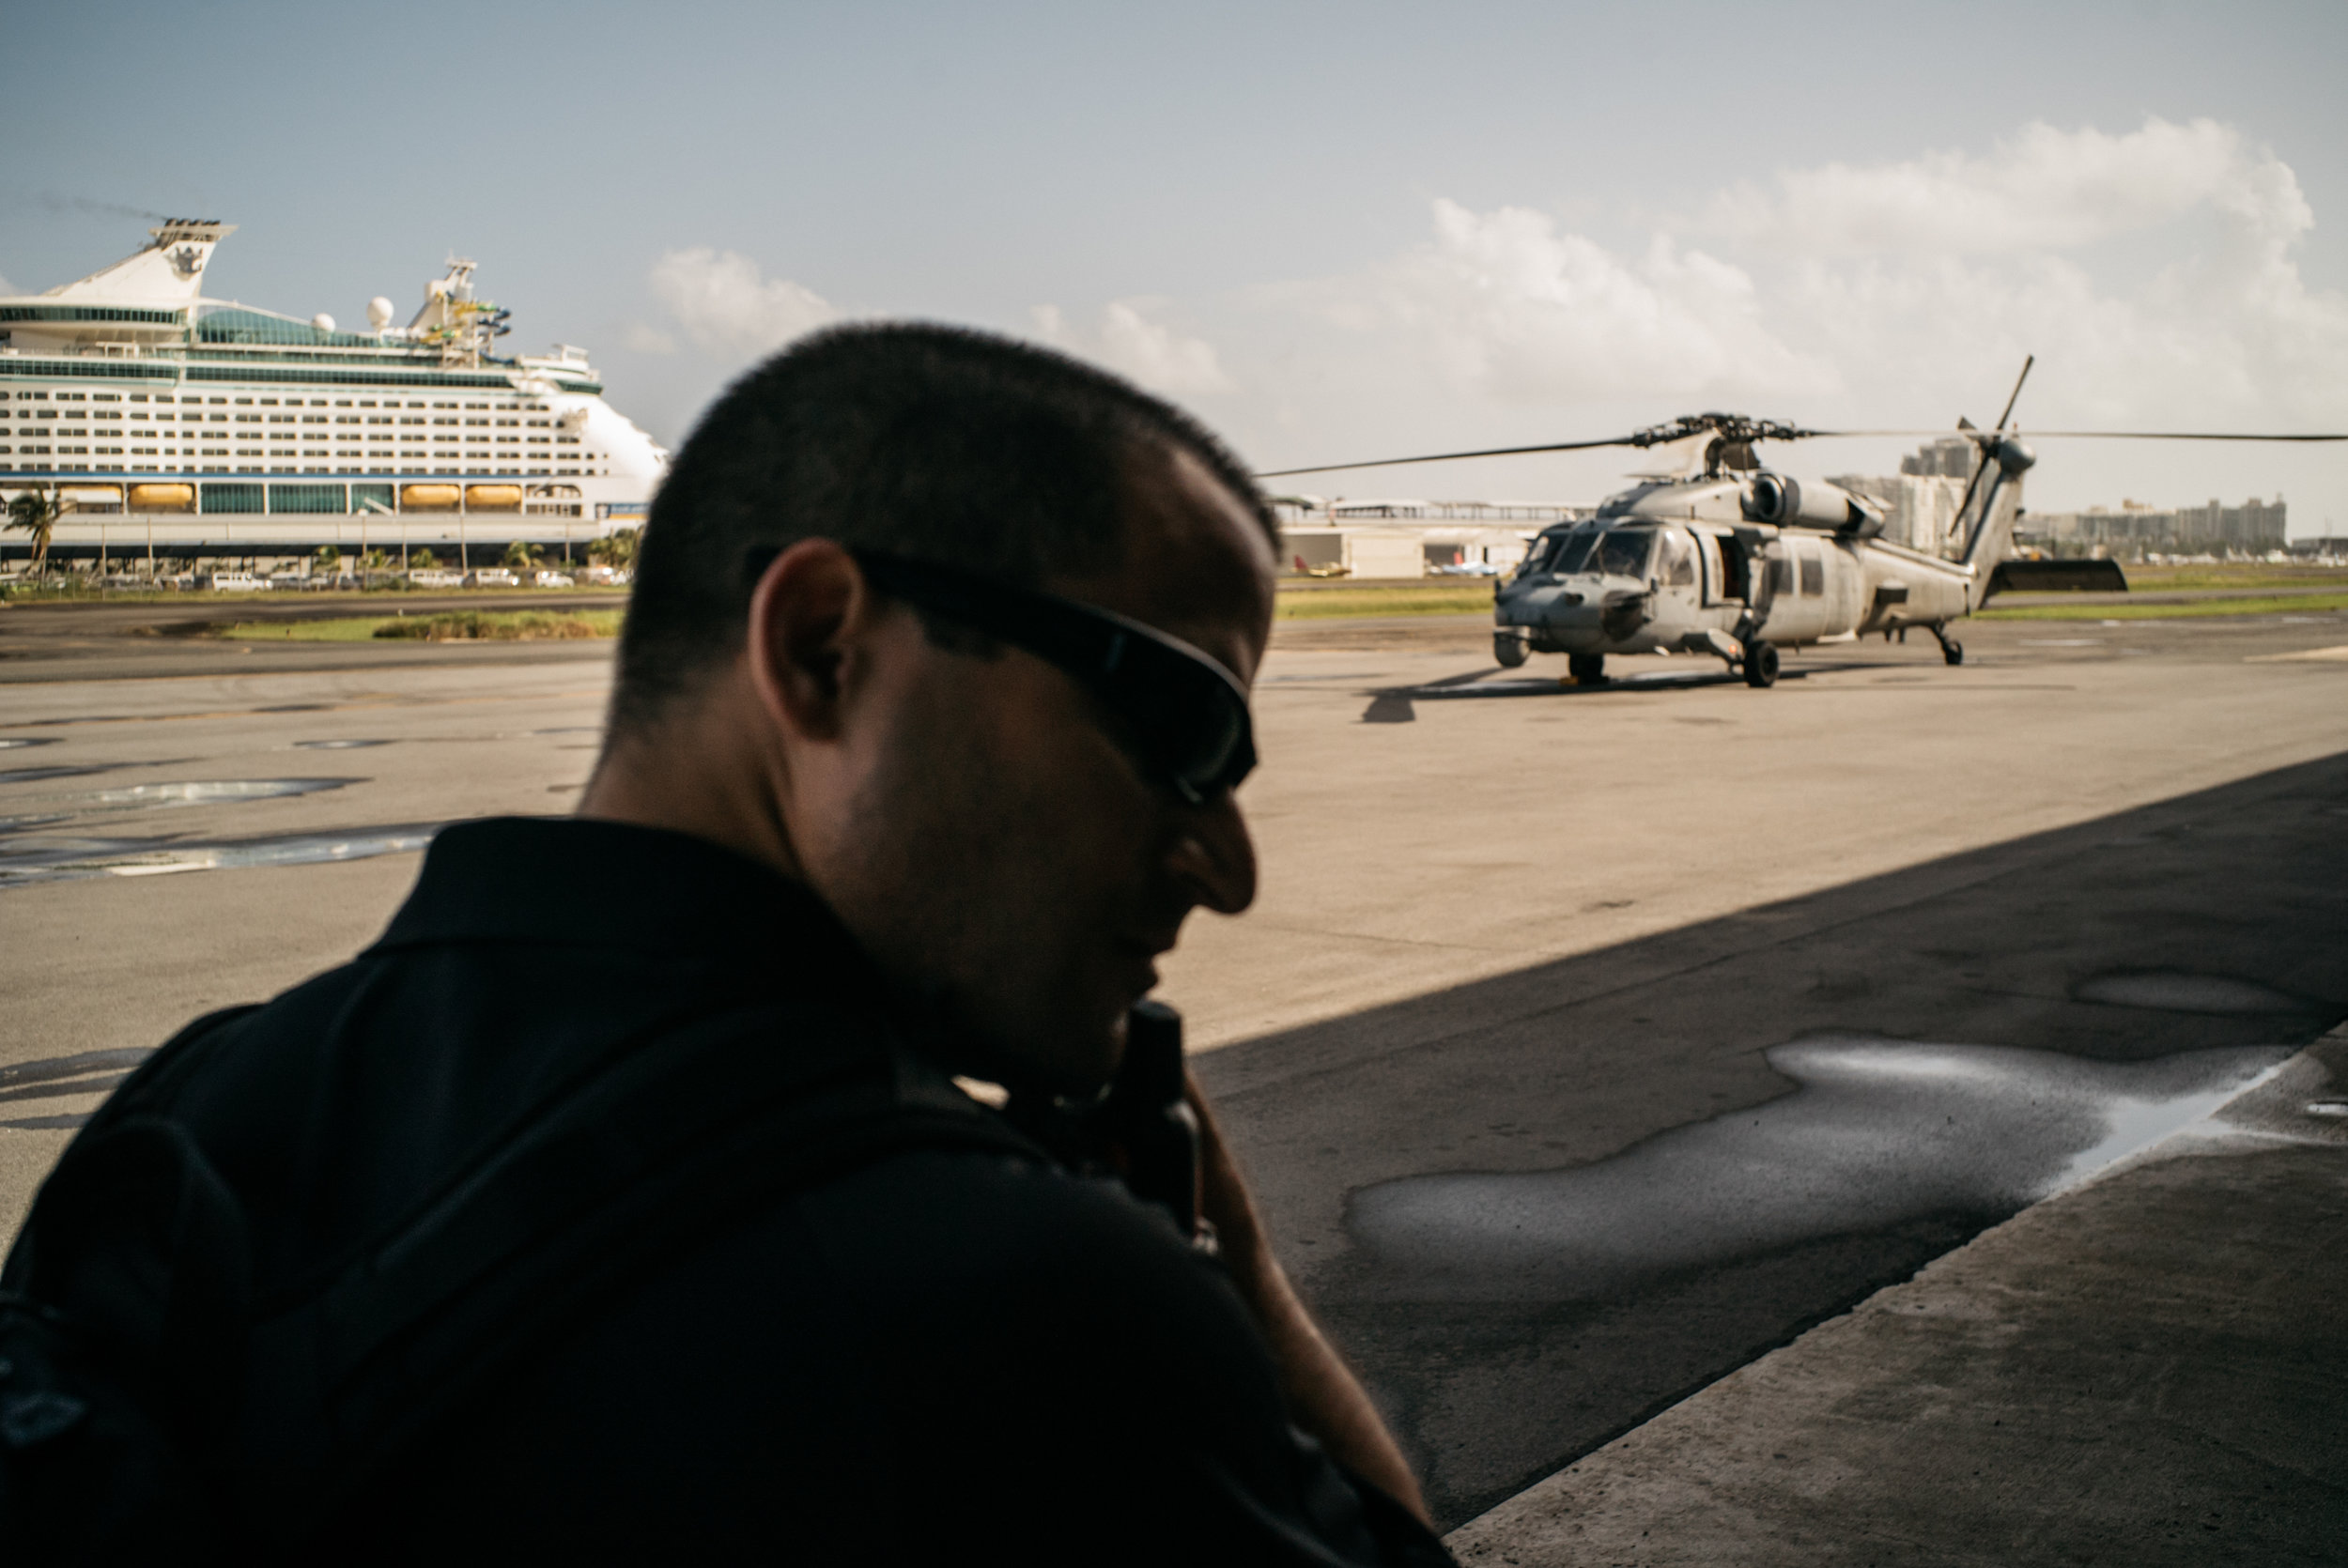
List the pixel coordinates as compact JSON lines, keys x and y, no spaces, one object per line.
{"x":1207,"y":729}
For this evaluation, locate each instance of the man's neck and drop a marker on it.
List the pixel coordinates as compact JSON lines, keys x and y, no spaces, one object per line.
{"x":692,"y":773}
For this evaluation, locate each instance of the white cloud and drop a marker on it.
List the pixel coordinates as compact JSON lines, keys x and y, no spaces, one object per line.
{"x":1894,"y":291}
{"x":727,"y":309}
{"x":649,"y":339}
{"x":2045,"y":189}
{"x":1148,"y":351}
{"x":1503,"y":304}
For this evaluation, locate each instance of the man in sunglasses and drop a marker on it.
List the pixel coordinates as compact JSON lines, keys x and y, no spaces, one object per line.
{"x":620,"y":1201}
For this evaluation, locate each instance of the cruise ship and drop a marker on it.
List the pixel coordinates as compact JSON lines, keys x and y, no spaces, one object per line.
{"x":169,"y":425}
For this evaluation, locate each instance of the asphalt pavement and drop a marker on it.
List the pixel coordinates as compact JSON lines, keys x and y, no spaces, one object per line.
{"x":1599,"y":966}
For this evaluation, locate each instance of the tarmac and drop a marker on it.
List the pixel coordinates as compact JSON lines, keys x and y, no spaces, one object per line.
{"x":2144,"y":1370}
{"x":1777,"y":1015}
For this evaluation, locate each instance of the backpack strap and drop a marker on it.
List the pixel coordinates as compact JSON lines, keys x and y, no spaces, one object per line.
{"x":679,"y":1136}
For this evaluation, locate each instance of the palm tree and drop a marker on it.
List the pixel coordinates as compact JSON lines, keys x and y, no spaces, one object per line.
{"x":35,"y":513}
{"x":616,"y":548}
{"x":521,"y":555}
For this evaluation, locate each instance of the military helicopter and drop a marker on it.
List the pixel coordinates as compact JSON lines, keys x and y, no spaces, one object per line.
{"x":1713,"y":553}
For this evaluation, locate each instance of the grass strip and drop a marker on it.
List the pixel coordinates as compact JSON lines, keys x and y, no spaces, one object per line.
{"x":1335,"y":603}
{"x":2304,"y":604}
{"x":529,"y":625}
{"x":2146,"y":579}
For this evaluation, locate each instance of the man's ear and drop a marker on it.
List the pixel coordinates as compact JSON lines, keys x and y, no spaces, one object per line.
{"x":804,"y":614}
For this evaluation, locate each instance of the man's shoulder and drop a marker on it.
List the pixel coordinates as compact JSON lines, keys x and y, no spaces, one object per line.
{"x":999,"y":1242}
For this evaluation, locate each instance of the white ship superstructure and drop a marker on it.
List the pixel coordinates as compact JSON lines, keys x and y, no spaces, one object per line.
{"x":208,"y":429}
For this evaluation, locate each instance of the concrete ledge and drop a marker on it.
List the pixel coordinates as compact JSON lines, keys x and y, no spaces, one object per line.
{"x":2149,"y":1368}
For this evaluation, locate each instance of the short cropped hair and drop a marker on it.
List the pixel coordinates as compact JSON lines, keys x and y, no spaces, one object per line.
{"x":939,"y":443}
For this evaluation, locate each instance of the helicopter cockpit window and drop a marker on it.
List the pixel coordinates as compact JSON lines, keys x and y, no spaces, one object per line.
{"x":1675,"y":560}
{"x":1623,"y":552}
{"x":1573,"y":551}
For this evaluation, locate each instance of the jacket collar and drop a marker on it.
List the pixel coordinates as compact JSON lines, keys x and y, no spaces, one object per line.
{"x":581,"y":881}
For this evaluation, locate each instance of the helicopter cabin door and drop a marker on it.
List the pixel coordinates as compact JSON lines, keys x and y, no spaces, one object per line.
{"x":1798,"y":577}
{"x":1679,"y":590}
{"x":1723,"y":565}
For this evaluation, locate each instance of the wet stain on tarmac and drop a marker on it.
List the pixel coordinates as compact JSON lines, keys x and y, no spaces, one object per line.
{"x":57,"y":1076}
{"x":155,"y":797}
{"x":1879,"y":1133}
{"x":34,"y":776}
{"x":2175,"y":991}
{"x":15,"y":743}
{"x":336,"y":745}
{"x":74,"y":859}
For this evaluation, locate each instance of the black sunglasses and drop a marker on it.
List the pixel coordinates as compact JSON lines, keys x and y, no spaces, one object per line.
{"x":1180,"y":714}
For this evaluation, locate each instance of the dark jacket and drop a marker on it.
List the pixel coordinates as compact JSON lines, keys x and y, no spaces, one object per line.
{"x":933,"y":1354}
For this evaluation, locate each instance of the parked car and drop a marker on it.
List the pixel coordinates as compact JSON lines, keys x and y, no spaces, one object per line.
{"x":434,"y":578}
{"x":491,"y":576}
{"x":551,"y":579}
{"x":233,"y":582}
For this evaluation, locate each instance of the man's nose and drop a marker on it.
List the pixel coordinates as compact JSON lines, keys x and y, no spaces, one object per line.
{"x":1214,"y":856}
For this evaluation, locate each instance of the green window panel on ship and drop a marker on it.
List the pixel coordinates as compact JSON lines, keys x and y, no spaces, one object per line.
{"x":233,"y":497}
{"x":279,"y":331}
{"x":88,"y":312}
{"x":113,"y":370}
{"x":362,"y":383}
{"x":307,"y":498}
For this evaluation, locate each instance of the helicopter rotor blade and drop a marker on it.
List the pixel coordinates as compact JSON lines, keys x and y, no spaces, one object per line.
{"x":2028,"y":361}
{"x":1645,"y":438}
{"x":2181,"y":436}
{"x":1451,"y":456}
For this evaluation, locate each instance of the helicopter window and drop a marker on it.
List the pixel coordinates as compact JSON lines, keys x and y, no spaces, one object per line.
{"x":1623,"y":552}
{"x":1813,"y":572}
{"x":1573,"y":551}
{"x":1675,"y":562}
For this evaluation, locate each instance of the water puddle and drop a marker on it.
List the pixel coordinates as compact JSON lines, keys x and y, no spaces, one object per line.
{"x":75,"y":859}
{"x":34,"y":776}
{"x":336,"y":745}
{"x":157,"y":797}
{"x":1876,"y":1132}
{"x":2171,"y":990}
{"x":15,"y":743}
{"x":87,"y":1073}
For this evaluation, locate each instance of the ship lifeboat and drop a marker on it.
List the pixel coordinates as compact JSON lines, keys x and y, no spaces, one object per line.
{"x":163,"y":497}
{"x":429,"y":498}
{"x":90,"y":498}
{"x":493,"y":498}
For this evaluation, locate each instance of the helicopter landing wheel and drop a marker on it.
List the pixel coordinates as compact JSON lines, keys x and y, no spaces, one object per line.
{"x":1952,"y":651}
{"x":1510,"y":649}
{"x":1588,"y":669}
{"x":1761,"y":664}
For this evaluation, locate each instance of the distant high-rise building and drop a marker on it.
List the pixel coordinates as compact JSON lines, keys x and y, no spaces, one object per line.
{"x":1949,"y":457}
{"x":1919,"y":509}
{"x":2134,"y":531}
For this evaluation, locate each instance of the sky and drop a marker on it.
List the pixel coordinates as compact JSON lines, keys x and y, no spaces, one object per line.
{"x":1334,"y":232}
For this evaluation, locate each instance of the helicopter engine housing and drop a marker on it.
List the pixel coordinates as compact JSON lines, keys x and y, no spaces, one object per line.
{"x":1784,"y":500}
